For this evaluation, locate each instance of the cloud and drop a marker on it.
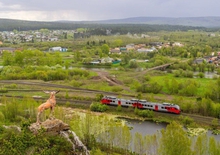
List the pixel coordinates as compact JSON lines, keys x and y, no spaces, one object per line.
{"x":43,"y":15}
{"x":109,"y":9}
{"x":9,"y":7}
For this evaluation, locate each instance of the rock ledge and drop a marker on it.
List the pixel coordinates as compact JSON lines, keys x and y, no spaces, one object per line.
{"x":52,"y":126}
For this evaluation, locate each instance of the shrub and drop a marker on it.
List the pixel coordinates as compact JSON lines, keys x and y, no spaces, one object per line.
{"x":13,"y":85}
{"x":67,"y":95}
{"x":2,"y":117}
{"x":158,"y":63}
{"x":214,"y":123}
{"x":99,"y":97}
{"x":152,"y":87}
{"x":127,"y":80}
{"x":116,"y":89}
{"x":119,"y":108}
{"x":177,"y":73}
{"x":144,"y":113}
{"x":201,"y":75}
{"x":98,"y":107}
{"x":75,"y":83}
{"x":3,"y":90}
{"x":67,"y":104}
{"x":42,"y":75}
{"x":186,"y":120}
{"x":136,"y":111}
{"x":79,"y":72}
{"x":188,"y":74}
{"x":133,"y":64}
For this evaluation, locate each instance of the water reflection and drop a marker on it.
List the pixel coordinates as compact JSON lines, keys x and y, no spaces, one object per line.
{"x":145,"y":127}
{"x":150,"y":128}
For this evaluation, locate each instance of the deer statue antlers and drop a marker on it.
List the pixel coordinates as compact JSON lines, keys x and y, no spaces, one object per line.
{"x":50,"y":103}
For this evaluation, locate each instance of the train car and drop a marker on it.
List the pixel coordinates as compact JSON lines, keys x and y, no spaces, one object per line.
{"x":171,"y":108}
{"x":142,"y":104}
{"x":109,"y":100}
{"x":164,"y":107}
{"x":129,"y":103}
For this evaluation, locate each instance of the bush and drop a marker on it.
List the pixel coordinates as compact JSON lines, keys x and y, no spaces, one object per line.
{"x":116,"y":89}
{"x":133,"y":64}
{"x":25,"y":142}
{"x":177,"y":73}
{"x":186,"y":120}
{"x":152,"y":87}
{"x":99,"y":97}
{"x":201,"y":75}
{"x":75,"y":83}
{"x":188,"y":74}
{"x":3,"y":90}
{"x":144,"y":113}
{"x":13,"y":86}
{"x":119,"y":108}
{"x":80,"y":72}
{"x":2,"y":117}
{"x":98,"y":107}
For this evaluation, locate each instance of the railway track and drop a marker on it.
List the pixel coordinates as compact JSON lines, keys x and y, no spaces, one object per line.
{"x":59,"y":101}
{"x":200,"y":119}
{"x":61,"y":87}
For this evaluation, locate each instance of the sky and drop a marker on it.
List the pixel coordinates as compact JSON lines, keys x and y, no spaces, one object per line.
{"x":91,"y":10}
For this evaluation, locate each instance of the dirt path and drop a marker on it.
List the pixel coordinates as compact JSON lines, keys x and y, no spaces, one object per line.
{"x":111,"y":80}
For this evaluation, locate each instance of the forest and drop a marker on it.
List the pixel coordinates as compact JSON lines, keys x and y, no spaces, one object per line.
{"x":21,"y":25}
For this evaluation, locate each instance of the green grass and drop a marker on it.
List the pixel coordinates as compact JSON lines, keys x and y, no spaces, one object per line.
{"x":203,"y":83}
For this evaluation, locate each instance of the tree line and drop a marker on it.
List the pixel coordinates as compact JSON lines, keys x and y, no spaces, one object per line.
{"x":95,"y":28}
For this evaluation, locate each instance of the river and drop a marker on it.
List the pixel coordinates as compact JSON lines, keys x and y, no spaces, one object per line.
{"x":150,"y":128}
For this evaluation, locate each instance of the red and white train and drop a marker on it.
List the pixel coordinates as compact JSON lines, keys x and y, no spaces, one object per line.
{"x":141,"y":104}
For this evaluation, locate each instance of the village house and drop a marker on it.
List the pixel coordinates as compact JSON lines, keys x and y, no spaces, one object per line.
{"x":53,"y":39}
{"x":106,"y":60}
{"x":115,"y":51}
{"x":177,"y":44}
{"x":140,"y":46}
{"x":130,"y":47}
{"x":61,"y":49}
{"x":147,"y":49}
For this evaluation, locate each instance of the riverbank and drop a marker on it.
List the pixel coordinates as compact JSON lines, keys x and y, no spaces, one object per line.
{"x":188,"y":120}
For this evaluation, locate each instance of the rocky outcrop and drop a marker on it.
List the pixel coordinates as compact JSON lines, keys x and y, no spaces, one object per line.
{"x":75,"y":141}
{"x":14,"y":127}
{"x":51,"y":126}
{"x":58,"y":127}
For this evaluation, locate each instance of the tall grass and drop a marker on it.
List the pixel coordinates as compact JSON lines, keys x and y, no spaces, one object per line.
{"x":15,"y":110}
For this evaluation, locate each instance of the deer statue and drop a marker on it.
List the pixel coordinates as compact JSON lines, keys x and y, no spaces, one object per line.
{"x":50,"y":103}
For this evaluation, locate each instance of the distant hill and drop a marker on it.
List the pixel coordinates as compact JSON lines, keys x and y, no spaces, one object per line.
{"x":209,"y":22}
{"x":135,"y":23}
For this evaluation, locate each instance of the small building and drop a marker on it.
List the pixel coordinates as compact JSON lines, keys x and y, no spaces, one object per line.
{"x":147,"y":49}
{"x":95,"y":62}
{"x":115,"y":50}
{"x":123,"y":49}
{"x":53,"y":39}
{"x":107,"y":60}
{"x":177,"y":44}
{"x":61,"y":49}
{"x":130,"y":47}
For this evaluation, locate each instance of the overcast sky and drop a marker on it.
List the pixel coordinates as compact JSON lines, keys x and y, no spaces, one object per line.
{"x":81,"y":10}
